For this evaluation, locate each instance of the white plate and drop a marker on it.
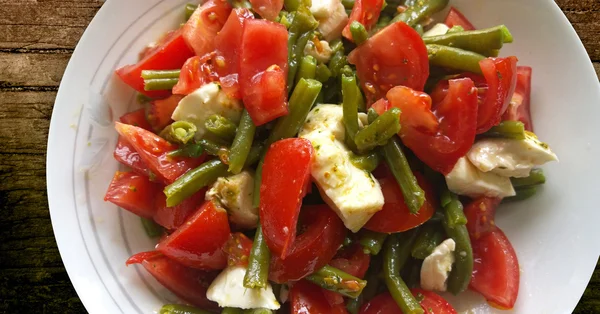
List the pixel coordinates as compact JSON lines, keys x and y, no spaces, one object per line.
{"x":555,"y":233}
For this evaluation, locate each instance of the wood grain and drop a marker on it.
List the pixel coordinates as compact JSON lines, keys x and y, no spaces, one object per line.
{"x":36,"y":41}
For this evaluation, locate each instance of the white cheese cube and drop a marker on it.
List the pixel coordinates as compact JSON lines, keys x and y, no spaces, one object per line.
{"x":235,"y":194}
{"x":466,"y":179}
{"x":437,"y":266}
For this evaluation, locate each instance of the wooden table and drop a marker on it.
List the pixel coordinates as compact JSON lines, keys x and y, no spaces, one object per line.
{"x":36,"y":42}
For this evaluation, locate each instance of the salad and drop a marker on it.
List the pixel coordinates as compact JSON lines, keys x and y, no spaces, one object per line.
{"x":327,"y":157}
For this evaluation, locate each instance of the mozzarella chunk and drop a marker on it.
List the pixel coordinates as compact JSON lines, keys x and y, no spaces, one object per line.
{"x":466,"y":179}
{"x":235,"y":194}
{"x":332,"y":17}
{"x":437,"y":30}
{"x":321,"y":51}
{"x":354,"y":194}
{"x":437,"y":266}
{"x":205,"y":102}
{"x":228,"y":291}
{"x":509,"y":157}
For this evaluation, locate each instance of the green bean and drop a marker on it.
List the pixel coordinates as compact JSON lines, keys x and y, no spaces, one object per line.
{"x":307,"y":68}
{"x":232,"y":310}
{"x":241,"y":4}
{"x":221,"y":127}
{"x":292,"y":5}
{"x":353,"y":305}
{"x":536,"y":177}
{"x":298,"y":35}
{"x":384,"y":20}
{"x":180,"y":309}
{"x":420,"y":11}
{"x":337,"y":62}
{"x":189,"y":150}
{"x":189,"y":10}
{"x":453,"y":209}
{"x":215,"y":148}
{"x":257,"y":273}
{"x":507,"y":129}
{"x":160,"y":84}
{"x":414,"y":197}
{"x":359,"y":32}
{"x":380,"y":131}
{"x":253,"y":155}
{"x":428,"y":238}
{"x":371,"y":241}
{"x":372,"y":115}
{"x":153,"y":230}
{"x":460,"y":276}
{"x":454,"y":58}
{"x":258,"y":180}
{"x":194,"y":180}
{"x":350,"y":97}
{"x":395,"y":255}
{"x":336,"y":280}
{"x":348,"y":4}
{"x":480,"y":41}
{"x":160,"y":74}
{"x":242,"y":143}
{"x":368,"y":162}
{"x":284,"y":19}
{"x":322,"y":74}
{"x":455,"y":29}
{"x":179,"y":132}
{"x":258,"y":311}
{"x":523,"y":193}
{"x":419,"y":29}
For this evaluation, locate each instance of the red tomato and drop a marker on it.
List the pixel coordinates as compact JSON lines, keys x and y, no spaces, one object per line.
{"x":228,"y":43}
{"x":200,"y":30}
{"x":518,"y":109}
{"x":238,"y":248}
{"x":133,"y":192}
{"x":136,"y":118}
{"x":366,"y":12}
{"x":429,"y":301}
{"x":268,"y":9}
{"x":187,"y":283}
{"x":455,"y":18}
{"x":323,"y":234}
{"x":395,"y":215}
{"x":308,"y":298}
{"x":173,"y":217}
{"x":352,"y":260}
{"x":199,"y":241}
{"x":481,"y":216}
{"x":196,"y":72}
{"x":394,"y":56}
{"x":263,"y":70}
{"x":126,"y":155}
{"x":160,"y":111}
{"x":439,"y":146}
{"x":285,"y":174}
{"x":501,"y":78}
{"x":170,"y":55}
{"x":153,"y":150}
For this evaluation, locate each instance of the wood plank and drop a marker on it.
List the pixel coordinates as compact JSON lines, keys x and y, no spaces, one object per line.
{"x":32,"y":69}
{"x":584,"y":15}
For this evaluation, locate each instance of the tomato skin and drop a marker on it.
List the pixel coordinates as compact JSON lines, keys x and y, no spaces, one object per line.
{"x":200,"y":30}
{"x":285,"y":174}
{"x":125,"y":154}
{"x":396,"y":55}
{"x":308,"y":298}
{"x":313,"y":249}
{"x":430,"y":302}
{"x":395,"y":215}
{"x":263,"y":70}
{"x":519,"y":107}
{"x":481,"y":214}
{"x":136,"y":118}
{"x":133,"y":192}
{"x":169,"y":55}
{"x":456,"y":18}
{"x":173,"y":217}
{"x":189,"y":284}
{"x":267,"y":9}
{"x":366,"y":12}
{"x":196,"y":71}
{"x":501,"y":78}
{"x":352,"y":260}
{"x":199,"y":241}
{"x":238,"y":248}
{"x":160,"y":111}
{"x":153,"y":151}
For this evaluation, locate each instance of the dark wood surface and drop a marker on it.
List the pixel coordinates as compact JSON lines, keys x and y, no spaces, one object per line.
{"x":36,"y":42}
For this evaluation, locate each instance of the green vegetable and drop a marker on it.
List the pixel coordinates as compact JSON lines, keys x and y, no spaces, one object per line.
{"x":337,"y":62}
{"x":428,"y":238}
{"x":322,"y":74}
{"x":333,"y":279}
{"x":353,"y":305}
{"x":160,"y":84}
{"x":221,"y":127}
{"x":153,"y":230}
{"x":523,"y":193}
{"x":371,"y":241}
{"x":242,"y":143}
{"x":232,"y":310}
{"x":180,"y":309}
{"x":359,"y":33}
{"x":507,"y":129}
{"x":348,"y":4}
{"x":258,"y":311}
{"x":194,"y":180}
{"x":395,"y":255}
{"x":454,"y":58}
{"x":380,"y":131}
{"x":460,"y":276}
{"x":351,"y":96}
{"x":257,"y":273}
{"x":480,"y":41}
{"x":368,"y":162}
{"x":307,"y":69}
{"x":419,"y":29}
{"x":536,"y":177}
{"x":189,"y":10}
{"x":215,"y":148}
{"x":258,"y":180}
{"x":179,"y":132}
{"x":453,"y":209}
{"x":419,"y":11}
{"x":299,"y":33}
{"x":160,"y":74}
{"x":189,"y":150}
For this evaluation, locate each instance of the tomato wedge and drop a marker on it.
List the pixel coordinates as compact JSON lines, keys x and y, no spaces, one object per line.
{"x":200,"y":30}
{"x":323,"y":234}
{"x":136,"y":118}
{"x":308,"y":298}
{"x":395,"y":215}
{"x":263,"y":70}
{"x":394,"y":56}
{"x":153,"y":151}
{"x":133,"y":192}
{"x":199,"y":241}
{"x":171,"y":54}
{"x":366,"y":12}
{"x":160,"y":111}
{"x":238,"y":249}
{"x":187,"y":283}
{"x":173,"y":217}
{"x":196,"y":72}
{"x":456,"y":18}
{"x":429,"y":301}
{"x":519,"y":107}
{"x":268,"y":9}
{"x":125,"y":154}
{"x":285,"y":176}
{"x":481,"y":215}
{"x":501,"y":78}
